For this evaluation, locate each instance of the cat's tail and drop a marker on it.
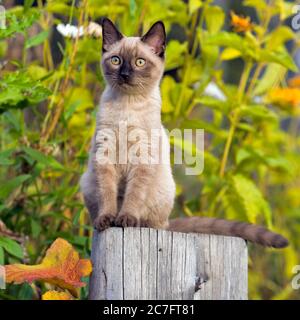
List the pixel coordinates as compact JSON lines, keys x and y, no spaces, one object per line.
{"x":247,"y":231}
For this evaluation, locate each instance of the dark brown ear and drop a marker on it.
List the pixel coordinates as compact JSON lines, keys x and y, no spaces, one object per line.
{"x":110,"y":34}
{"x":156,"y":38}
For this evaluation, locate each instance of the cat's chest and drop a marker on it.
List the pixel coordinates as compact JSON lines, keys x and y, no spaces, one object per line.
{"x":134,"y":115}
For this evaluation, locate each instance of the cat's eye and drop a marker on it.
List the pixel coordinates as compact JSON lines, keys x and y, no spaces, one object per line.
{"x":140,"y":62}
{"x":115,"y":60}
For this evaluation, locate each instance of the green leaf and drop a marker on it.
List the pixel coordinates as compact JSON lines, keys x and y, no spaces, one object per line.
{"x":211,"y":162}
{"x":79,"y":101}
{"x":248,"y":46}
{"x":79,"y":240}
{"x":213,"y":103}
{"x":71,"y":109}
{"x":245,"y":127}
{"x":257,"y":4}
{"x":43,"y":159}
{"x":26,"y":292}
{"x":214,"y":18}
{"x":194,"y":5}
{"x":280,"y":56}
{"x":132,"y":7}
{"x":242,"y":155}
{"x":210,"y":54}
{"x":233,"y":206}
{"x":12,"y":247}
{"x":15,"y":26}
{"x":287,"y":9}
{"x":269,"y":79}
{"x":37,"y":40}
{"x":28,"y":4}
{"x":167,"y":87}
{"x":18,"y":90}
{"x":35,"y":228}
{"x":14,"y":121}
{"x":209,"y":127}
{"x":10,"y":185}
{"x":77,"y":217}
{"x":251,"y":198}
{"x":256,"y":157}
{"x":258,"y":112}
{"x":279,"y":163}
{"x":1,"y":256}
{"x":60,"y":8}
{"x":5,"y":158}
{"x":89,"y":51}
{"x":175,"y":54}
{"x":37,"y":72}
{"x":227,"y":39}
{"x":278,"y":37}
{"x":230,"y":53}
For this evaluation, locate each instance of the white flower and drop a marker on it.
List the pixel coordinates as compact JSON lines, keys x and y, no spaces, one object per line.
{"x":213,"y":90}
{"x":70,"y":31}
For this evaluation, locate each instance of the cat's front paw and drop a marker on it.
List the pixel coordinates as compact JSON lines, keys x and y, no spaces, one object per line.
{"x":127,"y":220}
{"x":104,"y":221}
{"x":145,"y":223}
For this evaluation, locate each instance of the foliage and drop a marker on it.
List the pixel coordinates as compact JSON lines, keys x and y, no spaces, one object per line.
{"x":252,"y":160}
{"x":60,"y":267}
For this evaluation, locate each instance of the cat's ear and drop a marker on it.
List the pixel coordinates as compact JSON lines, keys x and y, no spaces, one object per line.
{"x":110,"y":34}
{"x":155,"y":38}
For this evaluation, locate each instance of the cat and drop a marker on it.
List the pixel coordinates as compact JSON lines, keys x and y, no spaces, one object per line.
{"x":133,"y":194}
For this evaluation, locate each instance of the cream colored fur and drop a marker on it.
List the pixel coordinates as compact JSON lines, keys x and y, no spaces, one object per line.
{"x":130,"y":194}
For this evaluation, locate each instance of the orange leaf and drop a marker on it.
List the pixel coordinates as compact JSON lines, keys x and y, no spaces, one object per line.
{"x":56,"y":295}
{"x":61,"y":266}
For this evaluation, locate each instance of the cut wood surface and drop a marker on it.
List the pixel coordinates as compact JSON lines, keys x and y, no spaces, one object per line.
{"x":142,"y":264}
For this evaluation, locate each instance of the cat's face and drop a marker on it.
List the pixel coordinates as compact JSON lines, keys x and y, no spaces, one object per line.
{"x":133,"y":65}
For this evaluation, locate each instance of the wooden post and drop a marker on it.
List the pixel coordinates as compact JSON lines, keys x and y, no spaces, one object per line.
{"x":142,"y":264}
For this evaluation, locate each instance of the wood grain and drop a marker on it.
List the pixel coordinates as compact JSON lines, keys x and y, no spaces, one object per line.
{"x":144,"y":264}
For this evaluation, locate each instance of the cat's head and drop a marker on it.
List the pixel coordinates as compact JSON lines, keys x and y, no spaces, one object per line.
{"x":133,"y":64}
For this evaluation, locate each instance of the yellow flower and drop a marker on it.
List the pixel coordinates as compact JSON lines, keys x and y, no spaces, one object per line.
{"x":56,"y":295}
{"x":294,"y":82}
{"x":239,"y":23}
{"x":285,"y":97}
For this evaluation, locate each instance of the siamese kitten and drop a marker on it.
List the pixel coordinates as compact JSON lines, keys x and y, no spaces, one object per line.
{"x":134,"y":192}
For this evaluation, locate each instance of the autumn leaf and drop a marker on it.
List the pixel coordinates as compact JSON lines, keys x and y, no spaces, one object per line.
{"x":56,"y":295}
{"x":61,"y":267}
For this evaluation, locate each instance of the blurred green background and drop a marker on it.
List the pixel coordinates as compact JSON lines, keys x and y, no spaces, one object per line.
{"x":231,"y":70}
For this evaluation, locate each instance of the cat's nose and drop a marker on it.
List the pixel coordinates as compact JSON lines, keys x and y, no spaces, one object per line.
{"x":125,"y":75}
{"x":125,"y":71}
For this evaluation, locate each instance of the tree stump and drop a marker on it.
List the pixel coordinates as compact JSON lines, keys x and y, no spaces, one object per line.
{"x":144,"y":264}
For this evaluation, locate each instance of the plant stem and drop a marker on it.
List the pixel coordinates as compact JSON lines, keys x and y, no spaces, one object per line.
{"x":243,"y":81}
{"x":184,"y":85}
{"x":235,"y":117}
{"x":228,"y":144}
{"x":59,"y":109}
{"x":187,"y":65}
{"x":256,"y":74}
